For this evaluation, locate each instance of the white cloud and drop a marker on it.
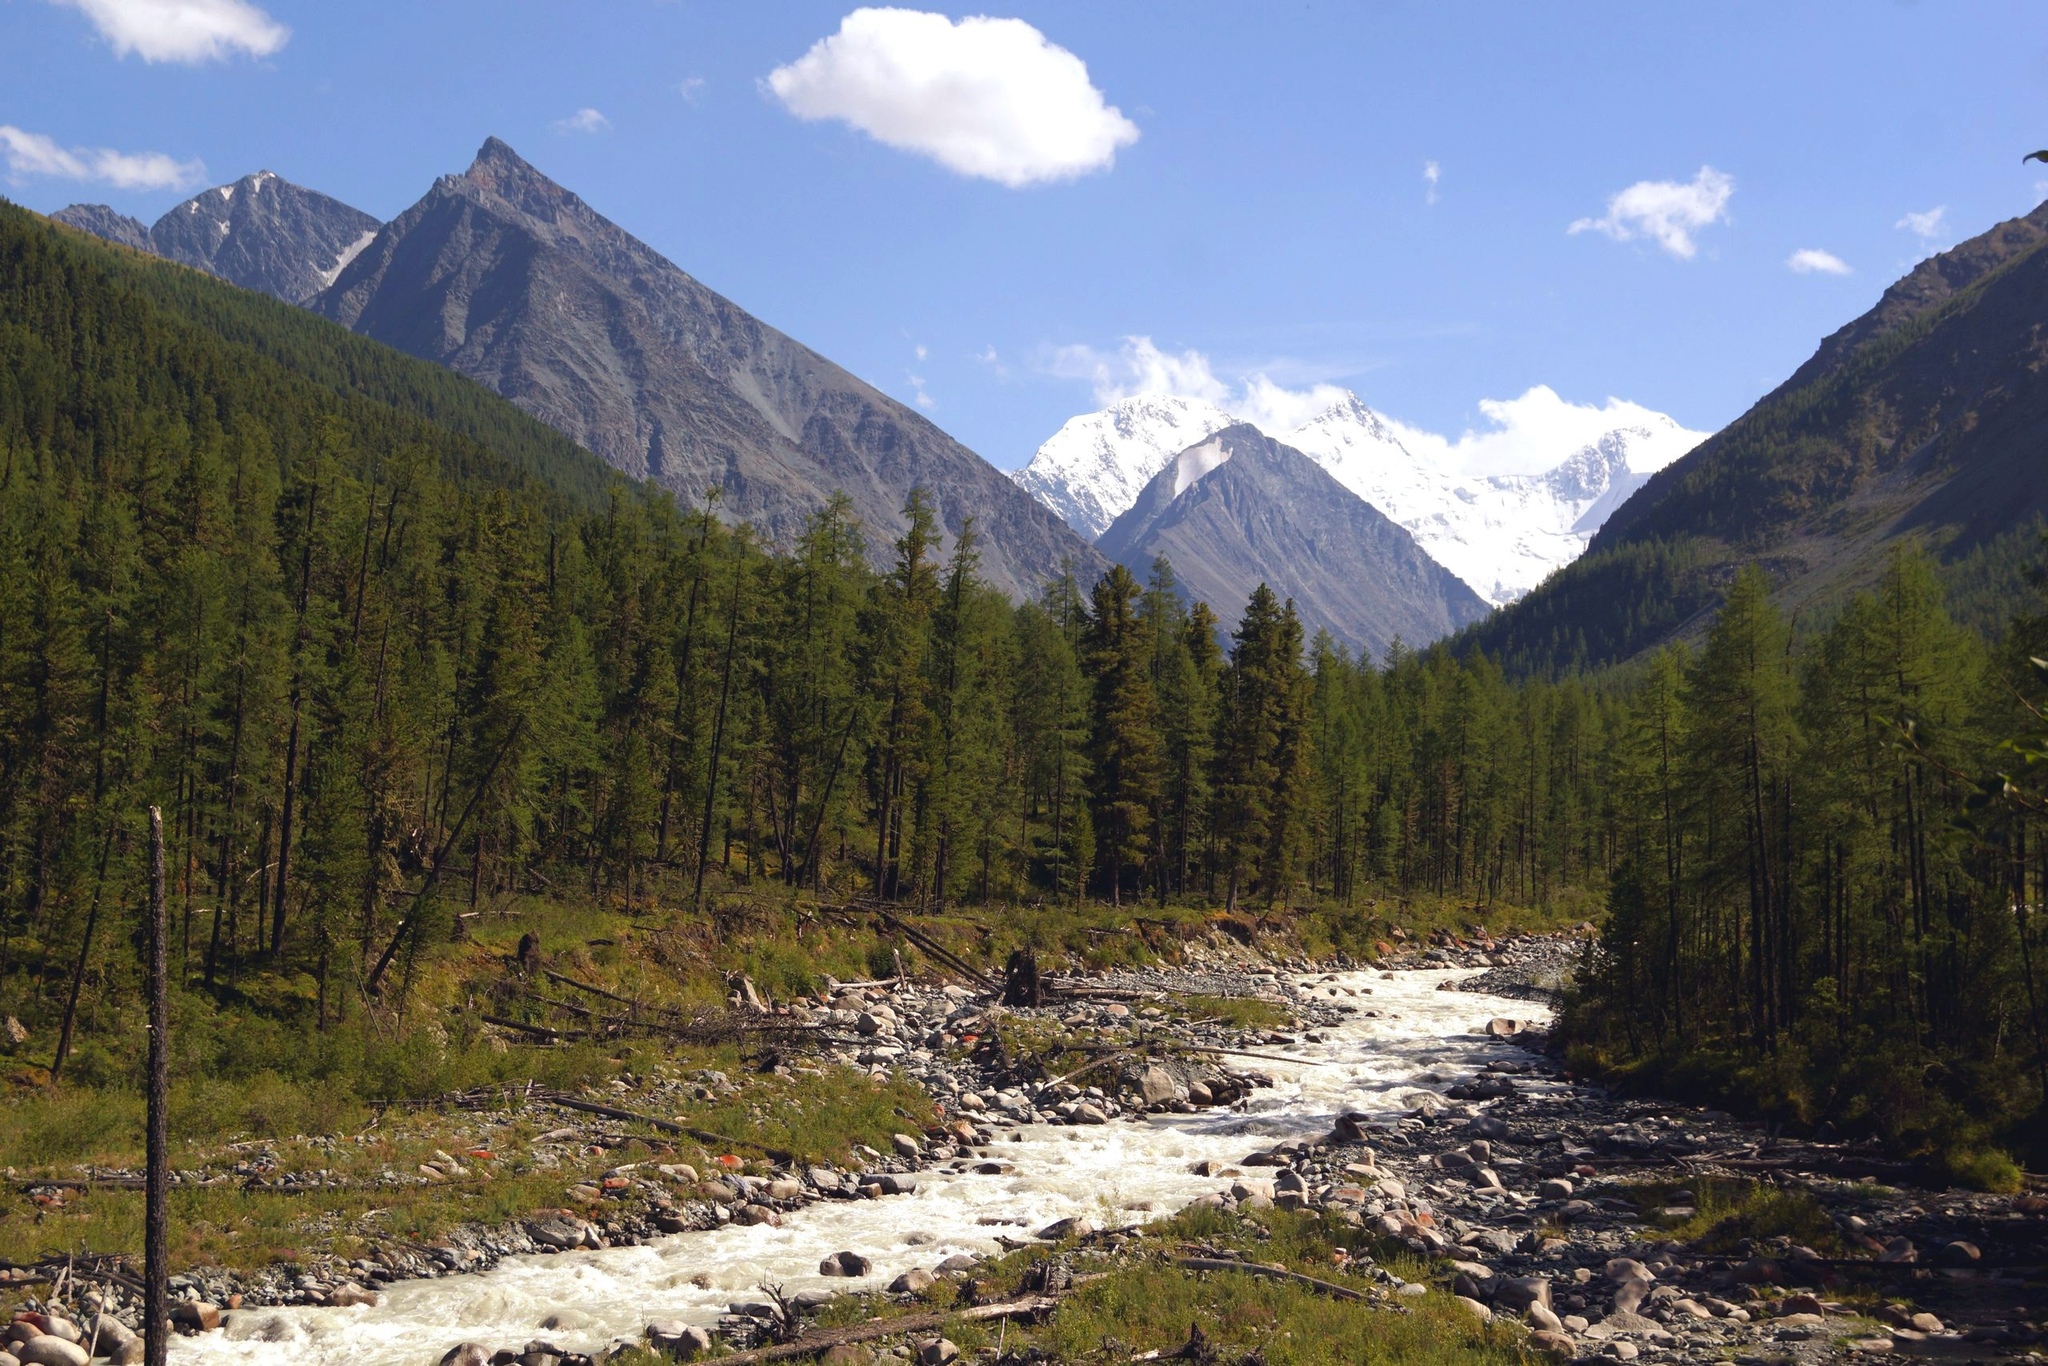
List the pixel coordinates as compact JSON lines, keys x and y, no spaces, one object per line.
{"x":1528,"y":433}
{"x":1814,"y":261}
{"x":1525,"y":435}
{"x":1926,"y":224}
{"x":34,"y":154}
{"x":183,"y":30}
{"x":985,"y":97}
{"x":691,"y":88}
{"x":1140,"y":367}
{"x":1667,"y":211}
{"x":924,"y":400}
{"x":1431,"y":173}
{"x":585,"y":120}
{"x":920,"y":350}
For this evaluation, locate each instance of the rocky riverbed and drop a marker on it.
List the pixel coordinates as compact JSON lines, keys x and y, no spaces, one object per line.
{"x":1400,"y":1099}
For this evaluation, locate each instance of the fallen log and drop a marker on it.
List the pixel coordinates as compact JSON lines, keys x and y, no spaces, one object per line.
{"x":1271,"y":1273}
{"x":591,"y":1107}
{"x":886,"y":1328}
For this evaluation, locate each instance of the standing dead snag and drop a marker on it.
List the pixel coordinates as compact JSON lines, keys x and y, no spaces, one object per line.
{"x":156,"y":1307}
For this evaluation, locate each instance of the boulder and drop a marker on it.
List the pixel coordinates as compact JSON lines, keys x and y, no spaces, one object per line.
{"x":46,"y":1349}
{"x":129,"y":1353}
{"x":1075,"y":1227}
{"x":937,"y":1352}
{"x":103,"y":1333}
{"x":1541,"y":1316}
{"x":906,"y":1147}
{"x":187,"y":1316}
{"x":560,"y":1231}
{"x":848,"y":1264}
{"x":1554,"y":1345}
{"x":1516,"y":1294}
{"x":957,"y":1263}
{"x":750,"y":1215}
{"x":1475,"y":1308}
{"x":567,"y":1321}
{"x":1085,"y":1113}
{"x":349,"y":1294}
{"x":466,"y":1354}
{"x":1556,"y":1188}
{"x":683,"y":1341}
{"x":1959,"y":1253}
{"x":912,"y":1282}
{"x":1158,"y":1086}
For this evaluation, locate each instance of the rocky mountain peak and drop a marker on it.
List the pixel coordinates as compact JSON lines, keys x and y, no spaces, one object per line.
{"x":503,"y":174}
{"x":506,"y":276}
{"x":101,"y":220}
{"x":263,"y":232}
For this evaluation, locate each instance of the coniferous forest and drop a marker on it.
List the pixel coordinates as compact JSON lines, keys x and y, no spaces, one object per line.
{"x":381,"y":648}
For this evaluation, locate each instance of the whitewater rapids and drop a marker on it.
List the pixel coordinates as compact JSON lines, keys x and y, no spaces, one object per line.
{"x":1421,"y":1039}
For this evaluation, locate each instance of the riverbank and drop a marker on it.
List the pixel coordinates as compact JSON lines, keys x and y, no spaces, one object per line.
{"x":1424,"y":1163}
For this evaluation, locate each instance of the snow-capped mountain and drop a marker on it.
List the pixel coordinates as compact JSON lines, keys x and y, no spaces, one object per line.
{"x":1501,"y":534}
{"x":1095,"y":466}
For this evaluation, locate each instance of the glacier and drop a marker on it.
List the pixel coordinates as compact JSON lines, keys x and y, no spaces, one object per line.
{"x":1502,"y":534}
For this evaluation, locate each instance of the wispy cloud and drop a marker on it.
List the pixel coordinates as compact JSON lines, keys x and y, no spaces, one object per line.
{"x":1925,"y":225}
{"x":585,"y":120}
{"x":1431,"y":173}
{"x":691,"y":88}
{"x":1814,"y":261}
{"x":1140,"y":366}
{"x":992,"y":98}
{"x":1530,"y":434}
{"x":188,"y":31}
{"x":35,"y":154}
{"x":1669,"y":212}
{"x":1524,"y":435}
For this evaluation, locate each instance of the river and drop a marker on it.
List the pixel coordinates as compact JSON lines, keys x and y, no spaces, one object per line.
{"x":1420,"y":1038}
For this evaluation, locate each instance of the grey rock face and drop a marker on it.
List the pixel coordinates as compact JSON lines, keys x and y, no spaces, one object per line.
{"x":102,"y":221}
{"x":263,"y":232}
{"x":511,"y":279}
{"x":1240,"y":509}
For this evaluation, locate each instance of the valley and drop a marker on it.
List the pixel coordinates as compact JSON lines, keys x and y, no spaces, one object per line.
{"x":545,"y":820}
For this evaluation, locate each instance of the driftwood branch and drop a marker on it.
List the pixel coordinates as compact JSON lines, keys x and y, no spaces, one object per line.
{"x":1271,"y":1273}
{"x":885,"y":1328}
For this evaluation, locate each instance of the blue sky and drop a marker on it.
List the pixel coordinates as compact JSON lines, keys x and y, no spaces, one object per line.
{"x":1264,"y":204}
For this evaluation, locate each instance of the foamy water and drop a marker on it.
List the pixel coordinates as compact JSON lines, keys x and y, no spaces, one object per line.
{"x":1110,"y":1173}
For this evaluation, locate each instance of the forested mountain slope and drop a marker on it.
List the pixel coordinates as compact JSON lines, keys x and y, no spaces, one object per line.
{"x":1924,"y":420}
{"x":504,"y":275}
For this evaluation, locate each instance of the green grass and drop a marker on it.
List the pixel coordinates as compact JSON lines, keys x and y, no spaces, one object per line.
{"x":1729,"y":1213}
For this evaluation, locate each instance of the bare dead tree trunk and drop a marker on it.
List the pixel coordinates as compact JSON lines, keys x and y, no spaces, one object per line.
{"x":156,"y":1306}
{"x":92,"y":920}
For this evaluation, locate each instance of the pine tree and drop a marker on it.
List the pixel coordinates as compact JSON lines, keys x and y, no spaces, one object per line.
{"x":1124,"y":747}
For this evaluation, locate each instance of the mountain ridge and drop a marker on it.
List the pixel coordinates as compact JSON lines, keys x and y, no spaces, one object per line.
{"x":1239,"y":509}
{"x":506,"y":276}
{"x":1919,"y":421}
